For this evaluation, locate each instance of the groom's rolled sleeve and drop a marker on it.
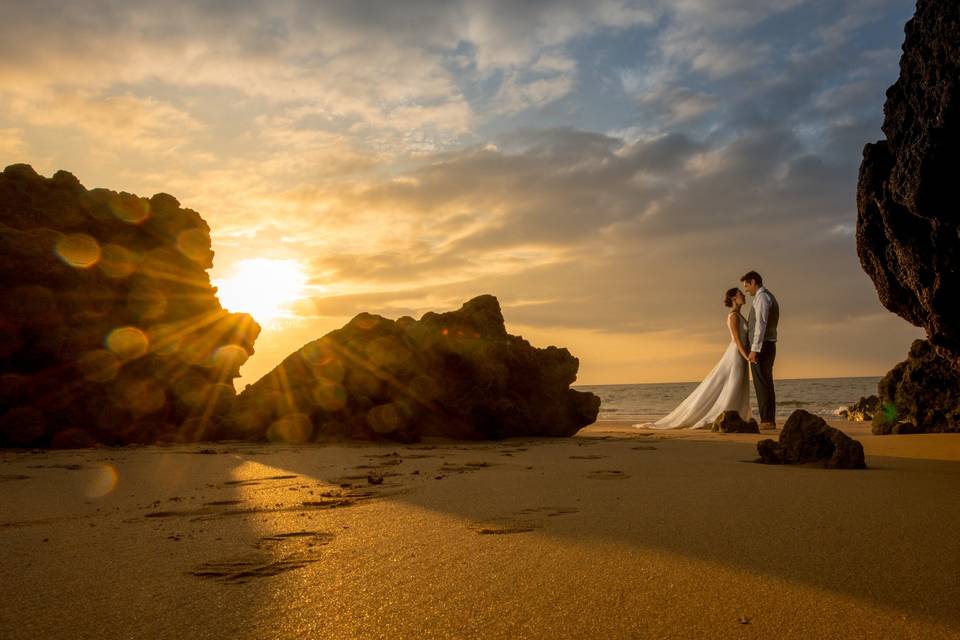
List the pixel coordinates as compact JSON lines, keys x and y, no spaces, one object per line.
{"x":762,"y":307}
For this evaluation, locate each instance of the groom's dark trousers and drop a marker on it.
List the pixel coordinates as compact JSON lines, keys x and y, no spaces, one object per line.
{"x":762,"y":371}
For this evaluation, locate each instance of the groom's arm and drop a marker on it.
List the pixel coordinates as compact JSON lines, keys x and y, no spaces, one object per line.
{"x":762,"y":307}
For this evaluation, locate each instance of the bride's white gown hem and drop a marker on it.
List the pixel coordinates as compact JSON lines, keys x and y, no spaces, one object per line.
{"x":726,"y":387}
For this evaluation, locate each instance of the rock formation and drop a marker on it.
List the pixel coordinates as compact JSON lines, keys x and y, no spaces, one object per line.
{"x":919,"y":395}
{"x":731,"y":422}
{"x":457,"y":374}
{"x":862,"y":410}
{"x":109,"y":329}
{"x":908,"y":227}
{"x":808,"y":438}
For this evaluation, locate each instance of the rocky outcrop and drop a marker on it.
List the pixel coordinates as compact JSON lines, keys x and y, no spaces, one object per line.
{"x":731,"y":422}
{"x":109,"y":329}
{"x":908,"y":227}
{"x":457,"y":374}
{"x":862,"y":410}
{"x":919,"y":395}
{"x":808,"y":438}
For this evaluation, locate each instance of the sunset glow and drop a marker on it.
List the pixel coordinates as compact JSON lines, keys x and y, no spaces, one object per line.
{"x":262,"y":287}
{"x":621,"y":163}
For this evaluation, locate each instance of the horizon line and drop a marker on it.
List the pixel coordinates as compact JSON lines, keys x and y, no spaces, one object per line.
{"x":631,"y":384}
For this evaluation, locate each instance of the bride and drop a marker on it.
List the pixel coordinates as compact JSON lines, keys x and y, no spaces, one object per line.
{"x":726,"y":387}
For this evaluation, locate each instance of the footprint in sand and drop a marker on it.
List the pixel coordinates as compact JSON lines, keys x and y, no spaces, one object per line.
{"x":210,"y":511}
{"x":644,"y":448}
{"x":10,"y":477}
{"x":68,"y":467}
{"x":505,"y":527}
{"x":464,"y":468}
{"x":550,"y":512}
{"x":386,"y":463}
{"x":252,"y":481}
{"x":347,"y":481}
{"x":272,"y":555}
{"x":587,"y":457}
{"x":523,"y":521}
{"x":607,"y":474}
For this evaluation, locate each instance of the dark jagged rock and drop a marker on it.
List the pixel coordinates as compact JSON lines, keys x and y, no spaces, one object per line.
{"x":457,"y":374}
{"x":109,"y":329}
{"x":908,"y":227}
{"x":731,"y":422}
{"x":919,"y":395}
{"x":808,"y":438}
{"x":862,"y":410}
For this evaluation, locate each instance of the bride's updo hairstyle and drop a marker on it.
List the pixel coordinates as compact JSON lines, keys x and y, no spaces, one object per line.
{"x":729,"y":296}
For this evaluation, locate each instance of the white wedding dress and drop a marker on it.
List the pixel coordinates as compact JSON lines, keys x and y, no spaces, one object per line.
{"x":726,"y":387}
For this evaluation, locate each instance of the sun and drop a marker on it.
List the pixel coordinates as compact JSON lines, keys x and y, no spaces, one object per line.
{"x":263,"y":287}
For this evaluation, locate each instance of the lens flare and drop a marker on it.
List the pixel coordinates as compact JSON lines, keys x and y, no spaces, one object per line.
{"x":99,"y":365}
{"x":102,"y":482}
{"x":78,"y":250}
{"x":195,"y":244}
{"x":229,"y":357}
{"x":131,"y":209}
{"x":293,"y":428}
{"x":117,"y":262}
{"x":129,"y":343}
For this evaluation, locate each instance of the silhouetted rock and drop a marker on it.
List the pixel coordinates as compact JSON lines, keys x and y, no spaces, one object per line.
{"x":808,"y":438}
{"x":908,"y":228}
{"x":919,"y":395}
{"x":109,"y":329}
{"x":731,"y":422}
{"x":862,"y":410}
{"x":456,"y":374}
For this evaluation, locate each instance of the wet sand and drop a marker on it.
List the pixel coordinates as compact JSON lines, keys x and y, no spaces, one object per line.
{"x":614,"y":533}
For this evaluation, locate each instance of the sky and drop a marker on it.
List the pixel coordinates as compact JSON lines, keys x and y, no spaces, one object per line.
{"x":606,"y":169}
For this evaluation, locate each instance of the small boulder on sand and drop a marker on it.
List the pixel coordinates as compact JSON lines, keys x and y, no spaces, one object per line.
{"x":731,"y":422}
{"x":808,"y":438}
{"x":862,"y":410}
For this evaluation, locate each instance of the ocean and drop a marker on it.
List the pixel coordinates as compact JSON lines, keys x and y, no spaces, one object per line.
{"x":648,"y":402}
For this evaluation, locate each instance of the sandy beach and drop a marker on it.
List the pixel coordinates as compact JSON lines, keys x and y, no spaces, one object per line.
{"x":614,"y":533}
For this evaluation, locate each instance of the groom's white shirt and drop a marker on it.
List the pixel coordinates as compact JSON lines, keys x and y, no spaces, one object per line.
{"x":761,"y":306}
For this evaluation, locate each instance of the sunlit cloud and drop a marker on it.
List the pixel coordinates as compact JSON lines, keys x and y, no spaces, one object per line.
{"x":122,"y":121}
{"x":11,"y":142}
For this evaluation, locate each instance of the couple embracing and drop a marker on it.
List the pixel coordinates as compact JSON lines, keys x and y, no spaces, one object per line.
{"x":753,"y":342}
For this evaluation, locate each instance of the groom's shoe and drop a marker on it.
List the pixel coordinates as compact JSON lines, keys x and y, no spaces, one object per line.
{"x":768,"y":426}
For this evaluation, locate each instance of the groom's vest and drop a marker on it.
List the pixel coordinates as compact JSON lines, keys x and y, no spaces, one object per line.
{"x":772,"y":319}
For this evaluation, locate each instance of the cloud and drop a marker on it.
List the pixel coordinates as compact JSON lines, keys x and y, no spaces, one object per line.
{"x":658,"y":90}
{"x":605,"y":168}
{"x":117,"y":121}
{"x":383,"y":65}
{"x":11,"y":142}
{"x":843,"y":230}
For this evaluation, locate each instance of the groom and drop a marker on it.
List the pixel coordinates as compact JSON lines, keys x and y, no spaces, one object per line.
{"x":762,"y":334}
